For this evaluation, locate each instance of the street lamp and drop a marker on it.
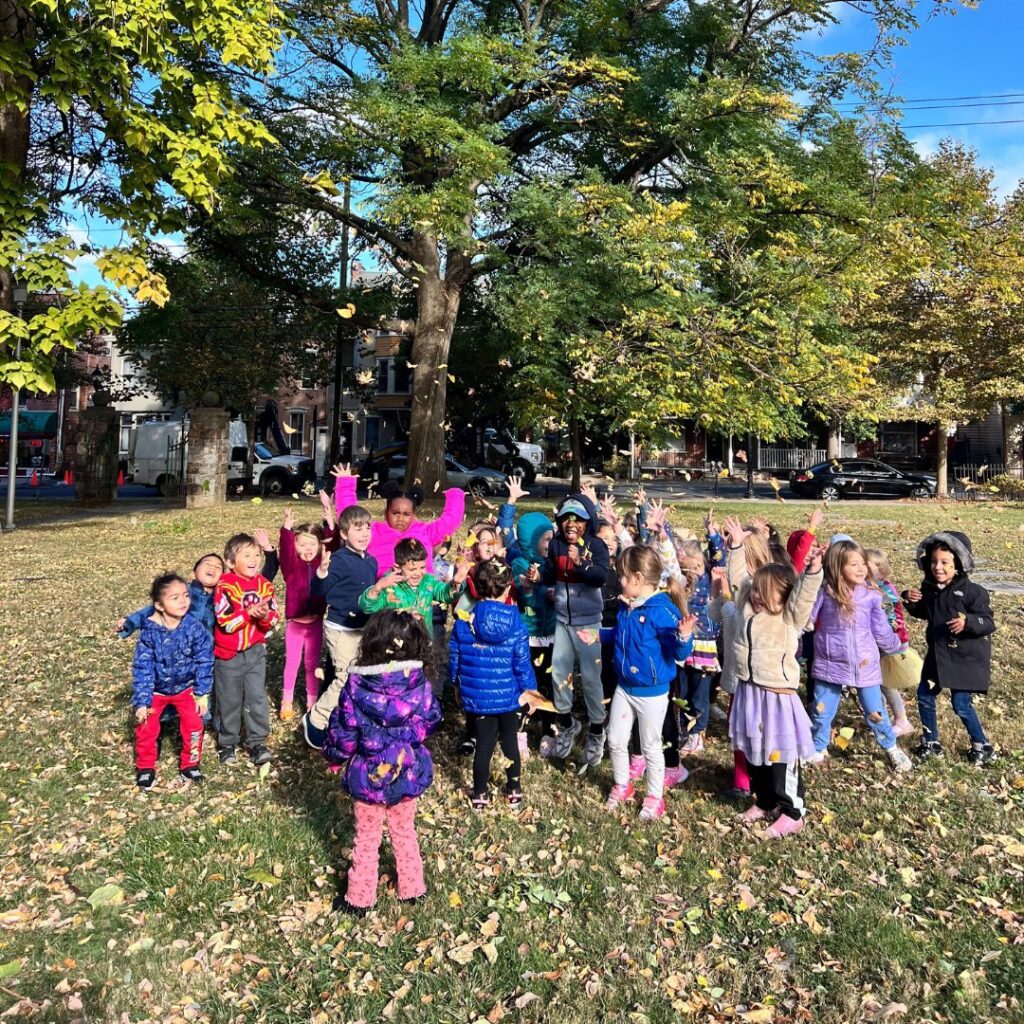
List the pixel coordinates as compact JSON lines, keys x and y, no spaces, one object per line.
{"x":20,"y":298}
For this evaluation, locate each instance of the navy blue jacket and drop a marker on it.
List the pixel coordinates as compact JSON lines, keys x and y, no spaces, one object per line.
{"x":201,"y":608}
{"x":489,"y":659}
{"x":579,"y":600}
{"x":170,"y":661}
{"x":347,"y":577}
{"x":648,"y":647}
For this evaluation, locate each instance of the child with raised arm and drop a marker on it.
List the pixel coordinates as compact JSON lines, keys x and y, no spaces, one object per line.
{"x":400,"y":522}
{"x":652,"y":636}
{"x":768,"y":723}
{"x":850,"y":629}
{"x":205,"y":575}
{"x":489,"y":665}
{"x":340,"y":581}
{"x":246,"y":611}
{"x":959,"y":637}
{"x":173,"y":667}
{"x":376,"y":735}
{"x":301,"y":549}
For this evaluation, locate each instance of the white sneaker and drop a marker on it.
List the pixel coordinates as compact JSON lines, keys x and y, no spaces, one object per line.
{"x":899,"y":761}
{"x":817,"y":758}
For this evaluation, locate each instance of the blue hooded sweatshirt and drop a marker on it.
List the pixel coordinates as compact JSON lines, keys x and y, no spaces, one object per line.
{"x":537,"y":607}
{"x":489,"y":659}
{"x":170,"y":661}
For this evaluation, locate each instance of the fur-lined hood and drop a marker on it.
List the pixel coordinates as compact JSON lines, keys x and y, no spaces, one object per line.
{"x":958,"y":543}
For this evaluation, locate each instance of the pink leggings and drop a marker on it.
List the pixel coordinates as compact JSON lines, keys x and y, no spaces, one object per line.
{"x":302,"y":638}
{"x":740,"y":774}
{"x":362,"y":875}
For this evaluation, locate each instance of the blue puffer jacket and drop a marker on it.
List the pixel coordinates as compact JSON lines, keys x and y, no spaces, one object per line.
{"x":170,"y":661}
{"x":489,"y":659}
{"x":648,"y":647}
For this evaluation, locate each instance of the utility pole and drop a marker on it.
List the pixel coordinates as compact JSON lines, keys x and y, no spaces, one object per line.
{"x":340,"y":337}
{"x":750,"y":464}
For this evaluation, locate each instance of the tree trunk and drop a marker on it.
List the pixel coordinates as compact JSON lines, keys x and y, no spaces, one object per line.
{"x":835,"y":439}
{"x":437,"y":306}
{"x":576,"y":447}
{"x":17,"y":25}
{"x":942,"y":459}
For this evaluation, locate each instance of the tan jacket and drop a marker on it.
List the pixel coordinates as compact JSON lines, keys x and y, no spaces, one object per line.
{"x":765,"y":645}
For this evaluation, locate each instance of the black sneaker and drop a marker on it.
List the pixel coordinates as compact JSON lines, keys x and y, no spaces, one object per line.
{"x":260,"y":755}
{"x":927,"y":749}
{"x":514,"y":796}
{"x":145,"y":779}
{"x":191,"y":775}
{"x":227,"y":755}
{"x":313,"y":736}
{"x":342,"y":906}
{"x":468,"y":746}
{"x":980,"y":756}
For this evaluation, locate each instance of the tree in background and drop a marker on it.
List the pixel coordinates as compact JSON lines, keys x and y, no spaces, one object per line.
{"x":121,"y":111}
{"x":949,"y":313}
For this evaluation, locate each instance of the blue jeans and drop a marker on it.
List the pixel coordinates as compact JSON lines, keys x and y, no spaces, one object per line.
{"x":826,"y":703}
{"x":696,"y":691}
{"x":963,"y":707}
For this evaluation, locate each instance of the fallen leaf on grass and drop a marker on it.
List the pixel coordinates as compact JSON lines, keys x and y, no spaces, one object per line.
{"x":263,"y":877}
{"x":106,"y":896}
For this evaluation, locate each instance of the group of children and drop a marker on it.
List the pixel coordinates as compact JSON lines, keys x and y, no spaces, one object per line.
{"x":649,"y":623}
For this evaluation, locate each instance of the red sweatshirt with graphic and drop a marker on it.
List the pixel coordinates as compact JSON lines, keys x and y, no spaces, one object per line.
{"x":236,"y":630}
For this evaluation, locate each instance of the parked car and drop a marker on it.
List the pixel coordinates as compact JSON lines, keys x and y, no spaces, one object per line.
{"x":481,"y":481}
{"x":859,"y":478}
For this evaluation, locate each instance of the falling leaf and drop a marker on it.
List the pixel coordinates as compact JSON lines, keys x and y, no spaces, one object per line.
{"x":843,"y":737}
{"x":257,"y":501}
{"x":347,"y":312}
{"x":774,"y":757}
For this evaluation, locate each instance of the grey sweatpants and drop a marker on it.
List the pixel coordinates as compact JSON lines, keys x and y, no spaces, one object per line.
{"x":240,"y":684}
{"x":568,"y":647}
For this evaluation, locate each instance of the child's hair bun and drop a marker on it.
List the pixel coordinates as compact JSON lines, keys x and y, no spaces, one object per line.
{"x":415,"y":495}
{"x":392,"y":489}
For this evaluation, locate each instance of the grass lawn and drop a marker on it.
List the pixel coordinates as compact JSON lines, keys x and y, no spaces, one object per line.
{"x":903,"y":899}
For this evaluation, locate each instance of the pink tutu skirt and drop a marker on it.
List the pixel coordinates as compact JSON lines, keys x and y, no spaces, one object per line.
{"x":769,"y":728}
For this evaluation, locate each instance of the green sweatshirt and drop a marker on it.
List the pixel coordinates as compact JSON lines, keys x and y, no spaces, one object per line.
{"x":404,"y":598}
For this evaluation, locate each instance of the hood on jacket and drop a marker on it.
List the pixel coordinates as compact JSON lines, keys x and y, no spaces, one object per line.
{"x":493,"y":621}
{"x":565,"y":508}
{"x":387,"y":694}
{"x":958,"y":543}
{"x":532,"y":526}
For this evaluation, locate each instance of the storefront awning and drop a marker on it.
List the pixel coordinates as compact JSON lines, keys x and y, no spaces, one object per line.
{"x":32,"y":423}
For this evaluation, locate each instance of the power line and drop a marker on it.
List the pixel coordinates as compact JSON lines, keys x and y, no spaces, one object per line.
{"x":939,"y":99}
{"x":962,"y":124}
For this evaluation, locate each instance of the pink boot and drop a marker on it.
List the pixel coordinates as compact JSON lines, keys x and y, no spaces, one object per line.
{"x":524,"y":746}
{"x":783,"y":826}
{"x":753,"y":813}
{"x":637,"y":767}
{"x":618,"y":795}
{"x":653,"y":808}
{"x":675,"y":776}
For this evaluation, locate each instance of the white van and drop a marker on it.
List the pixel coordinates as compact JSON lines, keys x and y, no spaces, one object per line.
{"x":159,"y":455}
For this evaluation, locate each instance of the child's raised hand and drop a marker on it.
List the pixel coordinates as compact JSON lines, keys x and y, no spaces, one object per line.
{"x":814,"y":557}
{"x":289,"y":518}
{"x":532,"y":575}
{"x":656,"y":518}
{"x":640,"y":496}
{"x":710,"y":526}
{"x":608,"y":512}
{"x":515,"y":490}
{"x":263,"y":539}
{"x":141,"y":714}
{"x":589,"y":491}
{"x":391,"y":579}
{"x":574,"y":554}
{"x":325,"y":562}
{"x":327,"y":504}
{"x":914,"y":595}
{"x":686,"y":626}
{"x":462,"y":571}
{"x":815,"y":518}
{"x":760,"y":524}
{"x":734,"y":531}
{"x":342,"y":469}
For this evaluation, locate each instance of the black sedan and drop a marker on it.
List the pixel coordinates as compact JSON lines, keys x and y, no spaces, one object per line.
{"x":858,"y":478}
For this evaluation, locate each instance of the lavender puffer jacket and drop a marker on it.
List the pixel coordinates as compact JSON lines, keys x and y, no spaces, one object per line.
{"x":846,"y":652}
{"x":384,"y":714}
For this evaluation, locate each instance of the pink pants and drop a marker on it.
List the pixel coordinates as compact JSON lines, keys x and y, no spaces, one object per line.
{"x":362,"y":875}
{"x":740,"y":774}
{"x":303,"y":641}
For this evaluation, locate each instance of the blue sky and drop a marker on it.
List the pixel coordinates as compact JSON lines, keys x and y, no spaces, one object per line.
{"x":974,"y":53}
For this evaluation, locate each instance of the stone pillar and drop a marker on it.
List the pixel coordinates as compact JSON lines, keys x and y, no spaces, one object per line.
{"x":206,"y":474}
{"x":1013,"y":442}
{"x":96,"y":457}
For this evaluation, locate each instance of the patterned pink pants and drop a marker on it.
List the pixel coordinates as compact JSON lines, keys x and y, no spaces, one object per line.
{"x":362,"y":875}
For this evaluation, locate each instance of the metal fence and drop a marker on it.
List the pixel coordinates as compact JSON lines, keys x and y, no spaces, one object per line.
{"x":790,"y":458}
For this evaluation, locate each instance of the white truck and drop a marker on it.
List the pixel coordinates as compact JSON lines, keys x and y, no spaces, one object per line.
{"x":159,"y":453}
{"x":513,"y":457}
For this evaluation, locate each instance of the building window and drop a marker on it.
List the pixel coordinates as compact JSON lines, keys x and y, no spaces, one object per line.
{"x":127,"y":423}
{"x":392,"y":376}
{"x":297,"y":434}
{"x":372,"y":433}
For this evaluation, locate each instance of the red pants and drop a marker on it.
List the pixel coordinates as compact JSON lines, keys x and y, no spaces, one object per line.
{"x":190,"y":722}
{"x":362,"y":875}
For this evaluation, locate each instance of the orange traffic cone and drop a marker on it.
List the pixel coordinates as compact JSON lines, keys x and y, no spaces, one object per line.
{"x":67,"y":476}
{"x":34,"y":482}
{"x":71,"y":477}
{"x":120,"y":478}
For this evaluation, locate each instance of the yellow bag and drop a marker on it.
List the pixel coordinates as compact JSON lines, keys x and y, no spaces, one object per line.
{"x":902,"y":671}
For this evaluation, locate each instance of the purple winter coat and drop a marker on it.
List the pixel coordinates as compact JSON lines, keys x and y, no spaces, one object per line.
{"x":384,"y":714}
{"x":846,"y":652}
